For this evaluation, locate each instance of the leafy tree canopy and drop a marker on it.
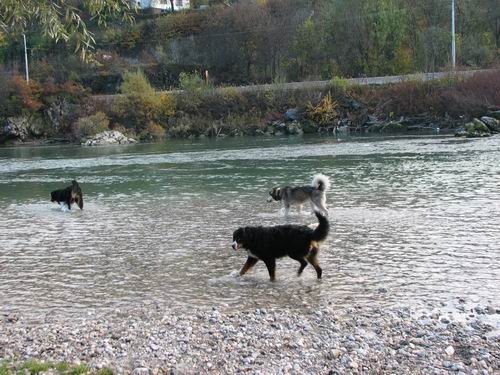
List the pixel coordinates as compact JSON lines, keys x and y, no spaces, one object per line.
{"x":62,"y":19}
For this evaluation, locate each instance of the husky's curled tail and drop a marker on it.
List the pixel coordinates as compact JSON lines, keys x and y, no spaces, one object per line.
{"x":321,"y":182}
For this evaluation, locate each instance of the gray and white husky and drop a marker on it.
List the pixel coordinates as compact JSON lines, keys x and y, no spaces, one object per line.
{"x":314,"y":194}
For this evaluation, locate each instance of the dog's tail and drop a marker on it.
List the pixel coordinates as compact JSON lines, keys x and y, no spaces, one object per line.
{"x":321,"y":231}
{"x":321,"y":182}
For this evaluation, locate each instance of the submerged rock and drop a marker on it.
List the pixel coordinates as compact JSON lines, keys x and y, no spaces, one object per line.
{"x":111,"y":137}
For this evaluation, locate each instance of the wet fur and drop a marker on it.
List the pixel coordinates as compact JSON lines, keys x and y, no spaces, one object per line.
{"x":299,"y":242}
{"x":68,"y":195}
{"x":314,"y":194}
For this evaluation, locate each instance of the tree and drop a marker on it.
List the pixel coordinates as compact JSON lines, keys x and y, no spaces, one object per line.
{"x":62,"y":19}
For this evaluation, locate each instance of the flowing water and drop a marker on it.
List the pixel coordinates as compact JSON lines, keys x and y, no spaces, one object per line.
{"x":414,"y":220}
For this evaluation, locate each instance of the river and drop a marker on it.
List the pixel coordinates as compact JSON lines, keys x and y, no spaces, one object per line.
{"x":413,"y":221}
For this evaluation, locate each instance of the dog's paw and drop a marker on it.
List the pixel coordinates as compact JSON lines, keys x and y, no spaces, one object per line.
{"x":235,"y":274}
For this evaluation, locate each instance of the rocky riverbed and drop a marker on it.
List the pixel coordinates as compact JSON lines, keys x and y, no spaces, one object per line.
{"x":154,"y":340}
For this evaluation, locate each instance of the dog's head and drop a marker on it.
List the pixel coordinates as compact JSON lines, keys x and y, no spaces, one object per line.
{"x":274,"y":194}
{"x":242,"y":238}
{"x":76,"y":194}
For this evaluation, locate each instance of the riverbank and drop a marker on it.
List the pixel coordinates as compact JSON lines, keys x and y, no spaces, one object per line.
{"x":409,"y":107}
{"x":322,"y":340}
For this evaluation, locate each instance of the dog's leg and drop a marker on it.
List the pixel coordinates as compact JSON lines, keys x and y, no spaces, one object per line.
{"x":324,"y":207}
{"x":303,"y":264}
{"x":300,"y":209}
{"x":287,"y":209}
{"x":312,"y":258}
{"x":248,"y":264}
{"x":271,"y":267}
{"x":68,"y":202}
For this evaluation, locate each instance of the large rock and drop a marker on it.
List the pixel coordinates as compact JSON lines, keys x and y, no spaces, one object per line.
{"x":294,"y":129}
{"x":57,"y":111}
{"x":492,"y":123}
{"x":14,"y":129}
{"x":293,"y":114}
{"x":111,"y":137}
{"x":474,"y":129}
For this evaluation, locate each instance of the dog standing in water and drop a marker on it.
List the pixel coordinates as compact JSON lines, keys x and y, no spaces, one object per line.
{"x":299,"y":242}
{"x":314,"y":194}
{"x":71,"y":194}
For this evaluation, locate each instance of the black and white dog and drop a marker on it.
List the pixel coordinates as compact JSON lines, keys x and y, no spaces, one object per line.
{"x":299,"y":242}
{"x":68,"y":195}
{"x":314,"y":194}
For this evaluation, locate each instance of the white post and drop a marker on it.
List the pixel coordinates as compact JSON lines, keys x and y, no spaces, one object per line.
{"x":26,"y":59}
{"x":453,"y":54}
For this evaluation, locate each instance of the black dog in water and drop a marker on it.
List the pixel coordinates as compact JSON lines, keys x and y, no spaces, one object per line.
{"x":299,"y":242}
{"x":71,"y":194}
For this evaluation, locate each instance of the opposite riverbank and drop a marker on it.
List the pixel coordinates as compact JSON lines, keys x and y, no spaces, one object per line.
{"x":67,"y":114}
{"x":323,"y":340}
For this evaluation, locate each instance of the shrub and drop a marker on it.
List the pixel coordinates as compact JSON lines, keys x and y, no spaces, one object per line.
{"x":91,"y":125}
{"x":153,"y":131}
{"x":191,"y":82}
{"x":24,"y":96}
{"x":136,"y":83}
{"x":324,"y":112}
{"x":141,"y":105}
{"x":338,"y":83}
{"x":454,"y":96}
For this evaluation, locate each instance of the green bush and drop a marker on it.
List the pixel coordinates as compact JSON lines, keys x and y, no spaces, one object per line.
{"x":191,"y":82}
{"x":91,"y":125}
{"x":136,"y":83}
{"x":338,"y":83}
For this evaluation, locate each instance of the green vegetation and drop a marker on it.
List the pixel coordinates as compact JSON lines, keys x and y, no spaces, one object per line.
{"x":253,"y":41}
{"x":91,"y":125}
{"x":209,"y":53}
{"x":140,"y":109}
{"x":60,"y":20}
{"x":33,"y":367}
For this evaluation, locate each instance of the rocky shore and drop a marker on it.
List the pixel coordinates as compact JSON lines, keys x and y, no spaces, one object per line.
{"x":152,"y":340}
{"x":110,"y":137}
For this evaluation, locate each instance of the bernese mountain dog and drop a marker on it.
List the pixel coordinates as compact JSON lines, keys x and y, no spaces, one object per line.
{"x":299,"y":242}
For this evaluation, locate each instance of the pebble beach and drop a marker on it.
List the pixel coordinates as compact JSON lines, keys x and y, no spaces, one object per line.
{"x":323,"y":340}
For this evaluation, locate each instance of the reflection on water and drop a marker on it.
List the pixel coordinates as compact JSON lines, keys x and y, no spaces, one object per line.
{"x":413,"y":220}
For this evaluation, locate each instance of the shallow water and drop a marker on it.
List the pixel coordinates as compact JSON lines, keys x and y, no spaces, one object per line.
{"x":414,"y":220}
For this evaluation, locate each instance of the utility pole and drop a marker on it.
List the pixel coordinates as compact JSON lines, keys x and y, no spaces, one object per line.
{"x":453,"y":53}
{"x":26,"y":59}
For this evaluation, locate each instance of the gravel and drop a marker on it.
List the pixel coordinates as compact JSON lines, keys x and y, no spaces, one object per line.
{"x":152,"y":340}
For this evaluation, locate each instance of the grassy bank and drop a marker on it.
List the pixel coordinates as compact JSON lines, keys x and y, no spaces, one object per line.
{"x":36,"y":367}
{"x":68,"y":112}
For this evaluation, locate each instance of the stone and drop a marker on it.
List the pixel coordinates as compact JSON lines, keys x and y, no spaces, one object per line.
{"x":15,"y":128}
{"x":294,"y":129}
{"x":449,"y":350}
{"x":492,"y":123}
{"x":293,"y":114}
{"x":474,"y":129}
{"x":140,"y":371}
{"x":110,"y":137}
